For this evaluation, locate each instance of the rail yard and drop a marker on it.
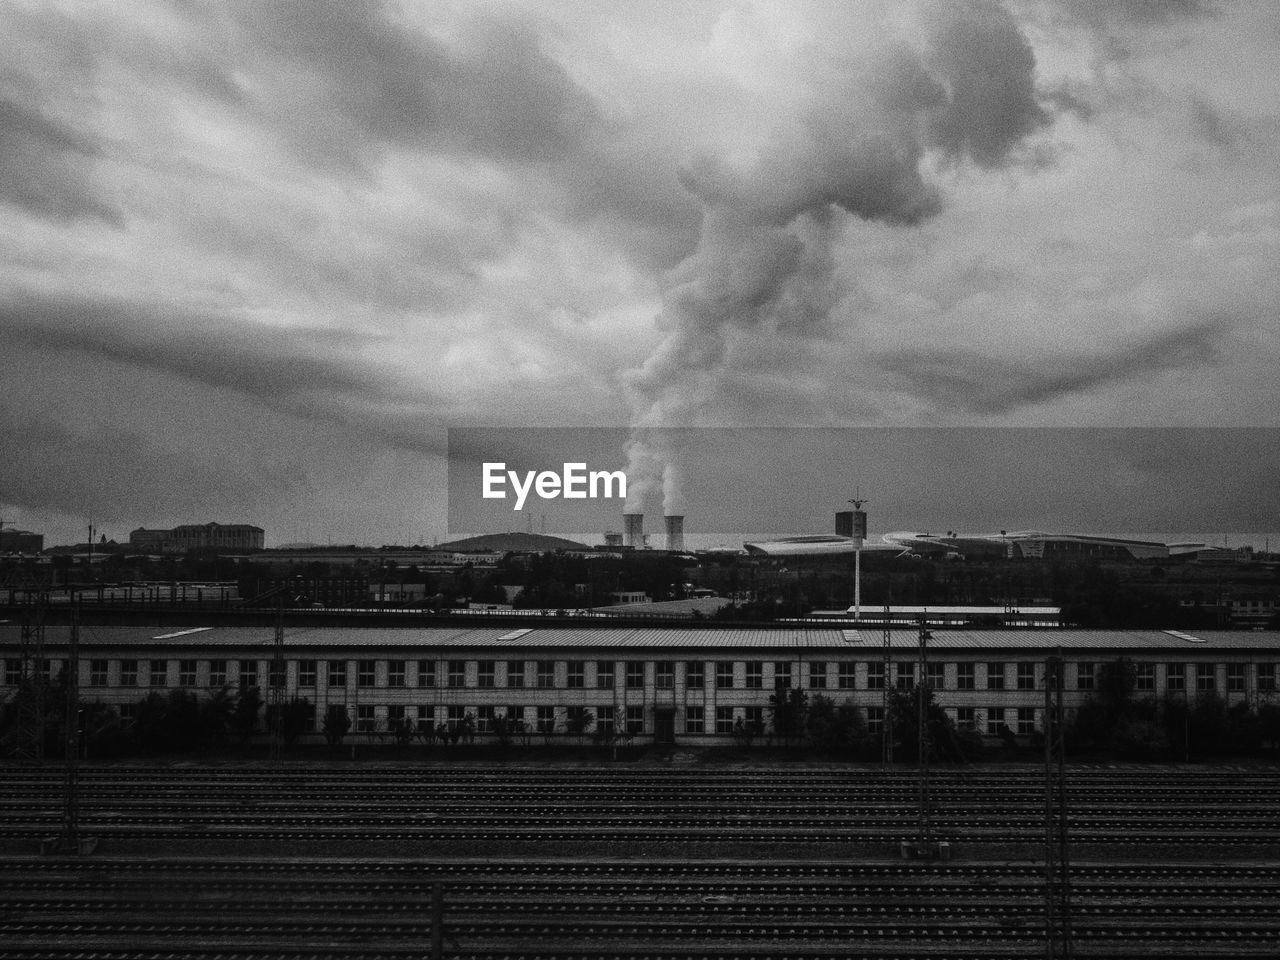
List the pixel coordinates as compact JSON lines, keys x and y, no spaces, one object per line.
{"x":633,"y":860}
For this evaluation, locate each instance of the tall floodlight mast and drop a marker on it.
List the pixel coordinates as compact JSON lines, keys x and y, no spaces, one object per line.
{"x":853,"y":524}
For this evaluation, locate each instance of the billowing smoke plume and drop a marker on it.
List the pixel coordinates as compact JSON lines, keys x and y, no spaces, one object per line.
{"x":882,"y":94}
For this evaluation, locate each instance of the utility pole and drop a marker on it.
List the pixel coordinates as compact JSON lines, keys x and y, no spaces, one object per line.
{"x":886,"y":728}
{"x":924,"y":846}
{"x":32,"y":680}
{"x":277,"y":684}
{"x":925,"y":833}
{"x":70,"y":840}
{"x":1058,"y":941}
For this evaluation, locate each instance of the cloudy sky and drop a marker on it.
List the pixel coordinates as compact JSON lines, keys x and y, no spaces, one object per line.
{"x":259,"y":257}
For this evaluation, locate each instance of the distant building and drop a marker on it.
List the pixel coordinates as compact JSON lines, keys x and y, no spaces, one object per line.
{"x":199,"y":536}
{"x":150,"y":540}
{"x":1253,"y":611}
{"x":21,"y":541}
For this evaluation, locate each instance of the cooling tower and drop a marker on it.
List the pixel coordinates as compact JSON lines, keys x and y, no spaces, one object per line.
{"x":634,"y":526}
{"x":675,"y":533}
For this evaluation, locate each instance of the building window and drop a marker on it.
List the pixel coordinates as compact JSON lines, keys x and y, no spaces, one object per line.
{"x":605,"y":677}
{"x":128,"y":673}
{"x":97,"y":673}
{"x":995,"y":720}
{"x":754,"y":719}
{"x":724,"y":719}
{"x":337,"y":673}
{"x":306,"y":673}
{"x":218,"y":673}
{"x":635,"y":720}
{"x":875,"y":719}
{"x":1267,"y":677}
{"x":455,"y":717}
{"x":1204,"y":677}
{"x":1085,"y":676}
{"x":1235,"y":677}
{"x":846,"y":672}
{"x":817,"y":676}
{"x":366,"y":673}
{"x":1175,"y":676}
{"x":487,"y":673}
{"x":782,"y":673}
{"x":576,"y":674}
{"x":186,"y":673}
{"x":1026,"y":721}
{"x":966,"y":718}
{"x":546,"y":674}
{"x":906,"y":676}
{"x":395,"y":673}
{"x":366,"y":719}
{"x":160,"y":672}
{"x":546,"y":720}
{"x":604,"y":721}
{"x":693,"y":719}
{"x":724,"y":674}
{"x":695,"y":673}
{"x":635,"y":675}
{"x":937,"y":673}
{"x":515,"y":674}
{"x":755,"y":674}
{"x":875,"y":675}
{"x":484,"y":719}
{"x":515,"y":719}
{"x":457,"y":673}
{"x":1144,"y":677}
{"x":1026,"y":676}
{"x":995,"y":676}
{"x":965,"y":677}
{"x":664,"y":674}
{"x":12,"y":672}
{"x":426,"y":673}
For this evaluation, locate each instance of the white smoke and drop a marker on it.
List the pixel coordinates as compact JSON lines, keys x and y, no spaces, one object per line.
{"x":882,"y":92}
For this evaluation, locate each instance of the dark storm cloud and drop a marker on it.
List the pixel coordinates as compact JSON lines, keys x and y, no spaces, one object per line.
{"x":268,"y":363}
{"x":316,"y":374}
{"x":377,"y":80}
{"x":988,"y":70}
{"x":1139,"y":12}
{"x":111,"y":471}
{"x":47,"y":167}
{"x":992,"y":385}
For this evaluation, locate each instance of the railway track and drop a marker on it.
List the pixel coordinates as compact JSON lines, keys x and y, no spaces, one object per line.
{"x":638,"y":806}
{"x":102,"y":908}
{"x":297,"y":896}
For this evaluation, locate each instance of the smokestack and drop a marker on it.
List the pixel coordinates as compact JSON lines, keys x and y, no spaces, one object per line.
{"x":675,"y":533}
{"x":634,"y":526}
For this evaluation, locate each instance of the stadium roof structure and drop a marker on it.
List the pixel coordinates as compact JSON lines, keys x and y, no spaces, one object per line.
{"x":512,"y":543}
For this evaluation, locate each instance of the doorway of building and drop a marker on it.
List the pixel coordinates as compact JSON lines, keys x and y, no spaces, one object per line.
{"x":664,"y":725}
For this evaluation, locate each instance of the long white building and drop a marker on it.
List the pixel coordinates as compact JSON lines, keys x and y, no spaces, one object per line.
{"x":686,"y":684}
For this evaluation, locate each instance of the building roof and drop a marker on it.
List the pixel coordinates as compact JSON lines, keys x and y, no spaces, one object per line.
{"x":498,"y":640}
{"x":512,"y":543}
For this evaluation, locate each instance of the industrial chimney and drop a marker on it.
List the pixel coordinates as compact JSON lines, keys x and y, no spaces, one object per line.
{"x":675,"y":533}
{"x":634,"y":526}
